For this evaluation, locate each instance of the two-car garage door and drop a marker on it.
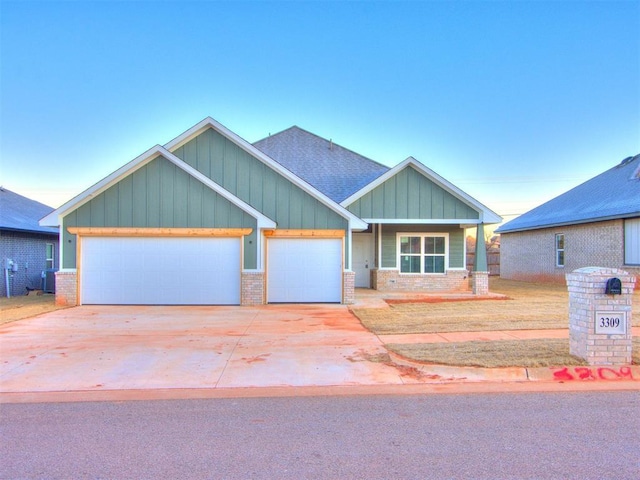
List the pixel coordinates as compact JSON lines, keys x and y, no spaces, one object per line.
{"x":204,"y":271}
{"x":160,"y":271}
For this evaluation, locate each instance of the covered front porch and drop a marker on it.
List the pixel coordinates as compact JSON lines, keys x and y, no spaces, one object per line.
{"x":419,"y":258}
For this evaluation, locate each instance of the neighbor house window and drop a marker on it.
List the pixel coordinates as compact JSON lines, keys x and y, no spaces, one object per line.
{"x":632,"y":241}
{"x":559,"y":249}
{"x":423,"y":253}
{"x":49,"y":263}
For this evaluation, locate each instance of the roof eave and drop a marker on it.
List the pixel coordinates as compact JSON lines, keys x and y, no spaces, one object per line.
{"x":27,"y":230}
{"x":567,"y":223}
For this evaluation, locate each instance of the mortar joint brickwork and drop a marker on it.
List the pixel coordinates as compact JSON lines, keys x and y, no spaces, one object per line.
{"x":586,"y":297}
{"x":66,"y":288}
{"x":252,"y":288}
{"x":450,"y":281}
{"x":349,"y":287}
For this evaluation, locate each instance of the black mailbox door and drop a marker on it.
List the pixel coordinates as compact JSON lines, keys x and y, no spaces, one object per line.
{"x":614,"y":287}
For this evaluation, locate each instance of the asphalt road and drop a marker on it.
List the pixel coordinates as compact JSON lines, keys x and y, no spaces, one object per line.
{"x":481,"y":436}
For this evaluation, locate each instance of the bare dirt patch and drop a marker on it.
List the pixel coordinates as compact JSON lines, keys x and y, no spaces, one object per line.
{"x":26,"y":306}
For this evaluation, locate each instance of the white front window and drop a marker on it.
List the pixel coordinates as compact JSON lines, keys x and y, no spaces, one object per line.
{"x":423,"y":252}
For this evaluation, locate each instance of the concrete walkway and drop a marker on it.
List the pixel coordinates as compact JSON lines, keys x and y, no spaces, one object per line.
{"x":481,"y":336}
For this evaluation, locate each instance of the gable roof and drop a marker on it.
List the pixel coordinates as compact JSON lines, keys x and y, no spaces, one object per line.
{"x":354,"y":222}
{"x":54,"y":218}
{"x":334,"y":170}
{"x":18,"y":213}
{"x":610,"y":195}
{"x":486,"y":215}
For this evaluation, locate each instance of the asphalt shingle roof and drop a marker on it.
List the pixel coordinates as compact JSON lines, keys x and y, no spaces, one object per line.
{"x":334,"y":170}
{"x":20,"y":213}
{"x":612,"y":194}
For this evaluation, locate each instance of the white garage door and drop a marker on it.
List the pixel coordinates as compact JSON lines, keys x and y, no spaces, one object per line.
{"x":160,"y":271}
{"x":304,"y":270}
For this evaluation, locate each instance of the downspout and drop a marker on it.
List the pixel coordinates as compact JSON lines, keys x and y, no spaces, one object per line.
{"x":6,"y":280}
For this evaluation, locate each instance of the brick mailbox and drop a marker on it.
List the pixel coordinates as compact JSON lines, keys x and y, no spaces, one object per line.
{"x":600,"y":301}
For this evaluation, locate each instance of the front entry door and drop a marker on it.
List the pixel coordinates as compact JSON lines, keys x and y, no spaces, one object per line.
{"x":363,"y":259}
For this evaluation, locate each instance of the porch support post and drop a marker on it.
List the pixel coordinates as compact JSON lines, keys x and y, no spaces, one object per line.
{"x":480,"y":264}
{"x":480,"y":278}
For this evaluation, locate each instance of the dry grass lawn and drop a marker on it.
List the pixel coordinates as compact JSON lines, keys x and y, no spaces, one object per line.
{"x":529,"y":306}
{"x":542,"y":352}
{"x":25,"y":306}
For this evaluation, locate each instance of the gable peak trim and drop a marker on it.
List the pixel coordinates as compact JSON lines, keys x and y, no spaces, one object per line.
{"x":486,"y":215}
{"x":354,"y":222}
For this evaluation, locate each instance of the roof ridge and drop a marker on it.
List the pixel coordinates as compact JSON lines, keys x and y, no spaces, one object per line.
{"x":325,"y":140}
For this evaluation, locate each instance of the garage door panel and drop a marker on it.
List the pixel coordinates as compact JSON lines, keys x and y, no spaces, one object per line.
{"x":304,"y":270}
{"x":160,"y":271}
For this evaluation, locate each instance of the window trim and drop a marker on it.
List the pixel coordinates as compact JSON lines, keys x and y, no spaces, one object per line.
{"x":631,"y":229}
{"x":559,"y":250}
{"x":422,"y":253}
{"x":51,"y":259}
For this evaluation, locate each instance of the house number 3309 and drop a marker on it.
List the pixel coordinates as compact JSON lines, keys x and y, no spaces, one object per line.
{"x":611,"y":323}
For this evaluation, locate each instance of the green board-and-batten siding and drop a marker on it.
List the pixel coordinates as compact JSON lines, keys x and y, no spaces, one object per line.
{"x":411,"y":195}
{"x":389,"y":242}
{"x":257,"y":184}
{"x":159,"y":194}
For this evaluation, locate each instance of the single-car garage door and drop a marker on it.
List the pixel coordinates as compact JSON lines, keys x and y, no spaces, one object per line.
{"x":160,"y":271}
{"x":304,"y":270}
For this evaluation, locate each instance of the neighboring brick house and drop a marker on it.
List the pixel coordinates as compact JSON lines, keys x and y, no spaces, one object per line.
{"x":595,"y":224}
{"x":209,"y":218}
{"x":26,"y":248}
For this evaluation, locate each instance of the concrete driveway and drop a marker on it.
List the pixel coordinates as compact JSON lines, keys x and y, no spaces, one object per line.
{"x":92,"y":348}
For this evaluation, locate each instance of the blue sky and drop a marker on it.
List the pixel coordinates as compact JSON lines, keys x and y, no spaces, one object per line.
{"x":514,"y":102}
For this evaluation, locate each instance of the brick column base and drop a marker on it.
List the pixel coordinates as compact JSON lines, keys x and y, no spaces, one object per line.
{"x":480,"y":283}
{"x":587,"y":297}
{"x":252,"y":288}
{"x":66,"y":288}
{"x":348,"y":288}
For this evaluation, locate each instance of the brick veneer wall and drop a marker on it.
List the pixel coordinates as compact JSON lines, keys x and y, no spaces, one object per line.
{"x":451,"y":281}
{"x":29,"y":251}
{"x":66,"y":288}
{"x":530,"y":256}
{"x":480,"y":283}
{"x":252,"y":288}
{"x":349,"y":287}
{"x":586,"y":297}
